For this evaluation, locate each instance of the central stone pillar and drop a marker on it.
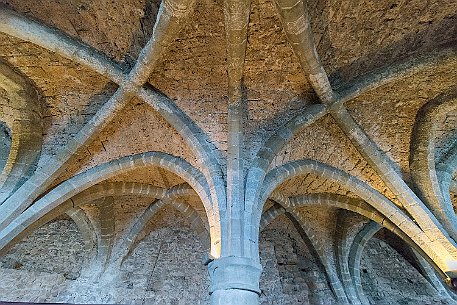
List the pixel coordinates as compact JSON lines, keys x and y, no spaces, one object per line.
{"x":234,"y":281}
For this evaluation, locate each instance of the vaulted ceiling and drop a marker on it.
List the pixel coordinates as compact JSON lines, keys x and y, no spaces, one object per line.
{"x":367,"y":87}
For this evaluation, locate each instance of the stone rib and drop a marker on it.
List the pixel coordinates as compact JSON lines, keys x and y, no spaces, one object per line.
{"x":22,"y":114}
{"x":422,"y":160}
{"x":167,"y":26}
{"x":433,"y":247}
{"x":385,"y":169}
{"x":78,"y":183}
{"x":14,"y":24}
{"x":296,"y":24}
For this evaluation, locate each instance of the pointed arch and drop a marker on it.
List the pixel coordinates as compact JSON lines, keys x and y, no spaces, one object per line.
{"x":315,"y":246}
{"x":434,"y":249}
{"x":63,"y":192}
{"x":355,"y":255}
{"x":432,"y":180}
{"x":20,"y":110}
{"x":171,"y":197}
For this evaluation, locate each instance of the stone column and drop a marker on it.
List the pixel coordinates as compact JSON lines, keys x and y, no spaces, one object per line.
{"x":234,"y":281}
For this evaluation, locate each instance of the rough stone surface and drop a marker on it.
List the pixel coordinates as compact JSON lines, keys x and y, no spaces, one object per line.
{"x":392,"y":130}
{"x":56,"y":247}
{"x":387,"y":275}
{"x":164,"y":268}
{"x":291,"y":273}
{"x":320,"y":85}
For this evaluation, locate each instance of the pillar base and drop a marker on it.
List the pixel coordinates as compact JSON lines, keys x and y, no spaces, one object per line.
{"x":234,"y":297}
{"x":234,"y":281}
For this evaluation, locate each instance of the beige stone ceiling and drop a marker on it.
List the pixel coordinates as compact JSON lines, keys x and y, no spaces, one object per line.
{"x":353,"y":38}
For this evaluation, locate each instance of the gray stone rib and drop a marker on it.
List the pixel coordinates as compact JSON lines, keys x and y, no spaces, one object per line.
{"x":321,"y":248}
{"x":256,"y":173}
{"x":22,"y":114}
{"x":80,"y":182}
{"x":410,"y":66}
{"x":431,"y":276}
{"x":296,"y":24}
{"x":107,"y":230}
{"x":236,"y":14}
{"x":422,"y":160}
{"x":196,"y":139}
{"x":14,"y":24}
{"x":392,"y":213}
{"x":297,"y":27}
{"x":342,"y":240}
{"x":85,"y":227}
{"x":128,"y":243}
{"x":271,"y":214}
{"x":56,"y":41}
{"x":355,"y":254}
{"x":167,"y":26}
{"x":385,"y":169}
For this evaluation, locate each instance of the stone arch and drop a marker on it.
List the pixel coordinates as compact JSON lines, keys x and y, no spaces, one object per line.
{"x":345,"y":226}
{"x":358,"y":206}
{"x":446,"y":169}
{"x":334,"y":281}
{"x":359,"y":242}
{"x":345,"y":93}
{"x":168,"y":254}
{"x":85,"y":227}
{"x":78,"y":183}
{"x":72,"y":207}
{"x":187,"y":211}
{"x":130,"y":84}
{"x":20,"y":113}
{"x":274,"y":144}
{"x":99,"y":191}
{"x":432,"y":180}
{"x":277,"y":210}
{"x":163,"y":197}
{"x":78,"y":216}
{"x":271,"y":214}
{"x":434,"y":249}
{"x":377,"y":221}
{"x":391,"y":73}
{"x":362,"y":208}
{"x":355,"y":254}
{"x":170,"y":198}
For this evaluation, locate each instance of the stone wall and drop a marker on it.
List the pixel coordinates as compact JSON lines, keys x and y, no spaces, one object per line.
{"x":166,"y":268}
{"x":30,"y":286}
{"x":39,"y":267}
{"x":56,"y":247}
{"x":387,"y":278}
{"x":291,"y":273}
